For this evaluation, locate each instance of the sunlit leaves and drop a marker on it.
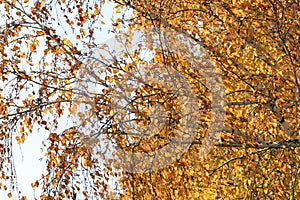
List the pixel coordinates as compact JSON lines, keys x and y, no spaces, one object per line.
{"x":39,"y":61}
{"x":253,"y":45}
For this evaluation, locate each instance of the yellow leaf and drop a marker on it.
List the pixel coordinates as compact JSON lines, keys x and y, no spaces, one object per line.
{"x":85,"y":162}
{"x":96,"y":12}
{"x":119,"y":20}
{"x":32,"y":47}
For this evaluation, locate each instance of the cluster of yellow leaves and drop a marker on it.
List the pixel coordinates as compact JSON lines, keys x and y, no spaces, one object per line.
{"x":68,"y":160}
{"x":39,"y":61}
{"x":255,"y":47}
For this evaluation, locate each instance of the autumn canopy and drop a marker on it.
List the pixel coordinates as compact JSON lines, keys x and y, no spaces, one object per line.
{"x":152,"y":99}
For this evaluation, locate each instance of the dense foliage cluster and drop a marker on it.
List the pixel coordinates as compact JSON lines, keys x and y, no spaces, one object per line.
{"x":255,"y":47}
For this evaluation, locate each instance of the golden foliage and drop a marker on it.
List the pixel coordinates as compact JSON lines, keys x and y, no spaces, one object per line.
{"x":255,"y":48}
